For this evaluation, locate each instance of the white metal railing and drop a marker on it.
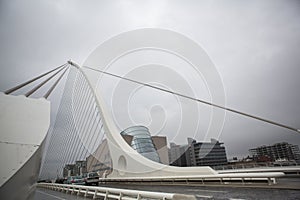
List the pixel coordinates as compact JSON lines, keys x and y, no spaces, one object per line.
{"x":287,"y":169}
{"x":267,"y":177}
{"x":112,"y":193}
{"x":253,"y":165}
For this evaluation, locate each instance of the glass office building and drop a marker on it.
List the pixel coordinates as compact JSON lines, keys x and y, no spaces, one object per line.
{"x":142,"y":142}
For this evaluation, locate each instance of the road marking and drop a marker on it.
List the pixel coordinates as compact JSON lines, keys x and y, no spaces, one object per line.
{"x":216,"y":191}
{"x":235,"y":199}
{"x":204,"y":196}
{"x":57,"y":197}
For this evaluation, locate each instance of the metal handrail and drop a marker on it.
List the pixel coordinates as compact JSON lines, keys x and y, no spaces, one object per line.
{"x":216,"y":176}
{"x":113,"y":193}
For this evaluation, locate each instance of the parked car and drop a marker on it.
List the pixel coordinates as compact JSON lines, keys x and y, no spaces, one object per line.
{"x":91,"y":178}
{"x":60,"y":180}
{"x":76,"y":180}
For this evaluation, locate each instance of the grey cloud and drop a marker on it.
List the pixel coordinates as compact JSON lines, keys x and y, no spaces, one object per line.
{"x":255,"y":46}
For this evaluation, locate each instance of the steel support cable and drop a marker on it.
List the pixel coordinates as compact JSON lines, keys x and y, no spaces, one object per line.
{"x":78,"y":67}
{"x":32,"y":80}
{"x":50,"y":153}
{"x":95,"y":141}
{"x":53,"y":148}
{"x":57,"y":149}
{"x":99,"y":133}
{"x":72,"y":132}
{"x":71,"y":143}
{"x":62,"y":131}
{"x":74,"y":139}
{"x":54,"y":85}
{"x":77,"y":129}
{"x":84,"y":126}
{"x":74,"y":143}
{"x":198,"y":100}
{"x":94,"y":154}
{"x":99,"y":121}
{"x":47,"y":142}
{"x":41,"y":84}
{"x":81,"y":146}
{"x":87,"y":134}
{"x":89,"y":128}
{"x":70,"y":136}
{"x":45,"y":164}
{"x":101,"y":130}
{"x":92,"y":134}
{"x":79,"y":126}
{"x":53,"y":139}
{"x":68,"y":126}
{"x":92,"y":127}
{"x":57,"y":121}
{"x":49,"y":160}
{"x":66,"y":139}
{"x":89,"y":144}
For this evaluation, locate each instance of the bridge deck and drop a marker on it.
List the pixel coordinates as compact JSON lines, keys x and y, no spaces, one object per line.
{"x":287,"y":188}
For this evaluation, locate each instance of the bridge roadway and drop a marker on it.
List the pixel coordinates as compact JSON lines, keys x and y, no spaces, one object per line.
{"x":200,"y":192}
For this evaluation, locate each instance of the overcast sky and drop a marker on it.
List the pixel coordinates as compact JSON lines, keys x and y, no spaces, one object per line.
{"x":255,"y":46}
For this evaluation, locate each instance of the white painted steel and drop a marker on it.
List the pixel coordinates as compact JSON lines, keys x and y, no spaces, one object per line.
{"x":191,"y":177}
{"x":113,"y":193}
{"x":136,"y":164}
{"x":24,"y":123}
{"x":269,"y":177}
{"x":261,"y":169}
{"x":140,"y":168}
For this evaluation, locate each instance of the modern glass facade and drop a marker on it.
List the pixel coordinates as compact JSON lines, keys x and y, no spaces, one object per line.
{"x":198,"y":154}
{"x":142,"y":142}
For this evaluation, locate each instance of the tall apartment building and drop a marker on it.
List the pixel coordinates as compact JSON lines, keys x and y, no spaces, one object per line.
{"x":79,"y":168}
{"x":198,"y":153}
{"x":179,"y":155}
{"x":69,"y":170}
{"x":277,"y":151}
{"x":211,"y":153}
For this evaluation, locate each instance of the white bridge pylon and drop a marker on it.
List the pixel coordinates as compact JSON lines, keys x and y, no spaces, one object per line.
{"x":128,"y":164}
{"x":126,"y":161}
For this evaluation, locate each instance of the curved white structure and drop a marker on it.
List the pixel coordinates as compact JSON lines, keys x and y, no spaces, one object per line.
{"x":126,"y":161}
{"x":129,"y":165}
{"x":24,"y":123}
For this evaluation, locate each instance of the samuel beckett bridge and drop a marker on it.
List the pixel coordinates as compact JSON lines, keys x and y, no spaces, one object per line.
{"x":82,"y":136}
{"x":85,"y":155}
